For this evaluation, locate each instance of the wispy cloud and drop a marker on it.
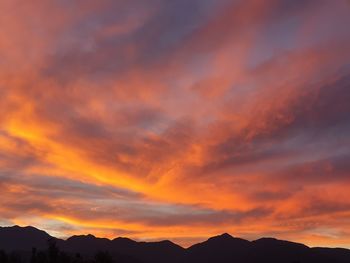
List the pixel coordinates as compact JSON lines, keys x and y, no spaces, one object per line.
{"x":176,"y":119}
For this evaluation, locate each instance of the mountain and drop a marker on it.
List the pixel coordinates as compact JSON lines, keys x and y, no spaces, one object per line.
{"x":22,"y":238}
{"x":162,"y":251}
{"x":85,"y":244}
{"x":218,"y":249}
{"x":223,"y":248}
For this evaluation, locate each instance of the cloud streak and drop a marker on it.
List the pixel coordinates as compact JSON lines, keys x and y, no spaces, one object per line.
{"x":176,"y":119}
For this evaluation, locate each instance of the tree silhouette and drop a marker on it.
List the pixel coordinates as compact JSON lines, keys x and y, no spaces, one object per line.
{"x":15,"y":258}
{"x":33,"y":257}
{"x":103,"y":257}
{"x":77,"y":258}
{"x":53,"y":251}
{"x":41,"y":257}
{"x":3,"y":257}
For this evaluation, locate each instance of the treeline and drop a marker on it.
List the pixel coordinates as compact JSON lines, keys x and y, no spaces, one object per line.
{"x":53,"y":255}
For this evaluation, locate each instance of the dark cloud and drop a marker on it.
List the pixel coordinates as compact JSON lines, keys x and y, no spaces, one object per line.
{"x":320,"y":114}
{"x":51,"y":188}
{"x":155,"y":30}
{"x":322,"y":171}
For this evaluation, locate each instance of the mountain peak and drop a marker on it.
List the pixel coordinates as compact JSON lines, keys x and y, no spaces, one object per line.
{"x":24,"y":230}
{"x":17,"y":227}
{"x":220,"y":242}
{"x":124,"y":241}
{"x":81,"y":237}
{"x":164,"y":244}
{"x":224,"y":236}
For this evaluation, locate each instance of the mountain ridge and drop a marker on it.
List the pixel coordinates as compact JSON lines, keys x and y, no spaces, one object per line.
{"x":219,"y":249}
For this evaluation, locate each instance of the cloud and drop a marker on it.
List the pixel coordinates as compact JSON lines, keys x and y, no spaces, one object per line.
{"x":175,"y":119}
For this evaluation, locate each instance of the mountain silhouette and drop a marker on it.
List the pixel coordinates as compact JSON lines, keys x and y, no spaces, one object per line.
{"x":218,"y":249}
{"x":22,"y":238}
{"x":223,"y":248}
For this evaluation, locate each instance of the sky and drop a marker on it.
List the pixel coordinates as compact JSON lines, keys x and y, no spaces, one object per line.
{"x":180,"y":120}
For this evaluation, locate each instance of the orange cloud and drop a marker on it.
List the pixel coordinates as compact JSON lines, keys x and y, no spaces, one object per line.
{"x":175,"y":120}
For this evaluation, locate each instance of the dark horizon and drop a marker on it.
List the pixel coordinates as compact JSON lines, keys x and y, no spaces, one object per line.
{"x":31,"y":245}
{"x":160,"y":240}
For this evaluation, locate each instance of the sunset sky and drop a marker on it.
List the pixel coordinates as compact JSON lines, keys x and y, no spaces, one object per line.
{"x":176,"y":119}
